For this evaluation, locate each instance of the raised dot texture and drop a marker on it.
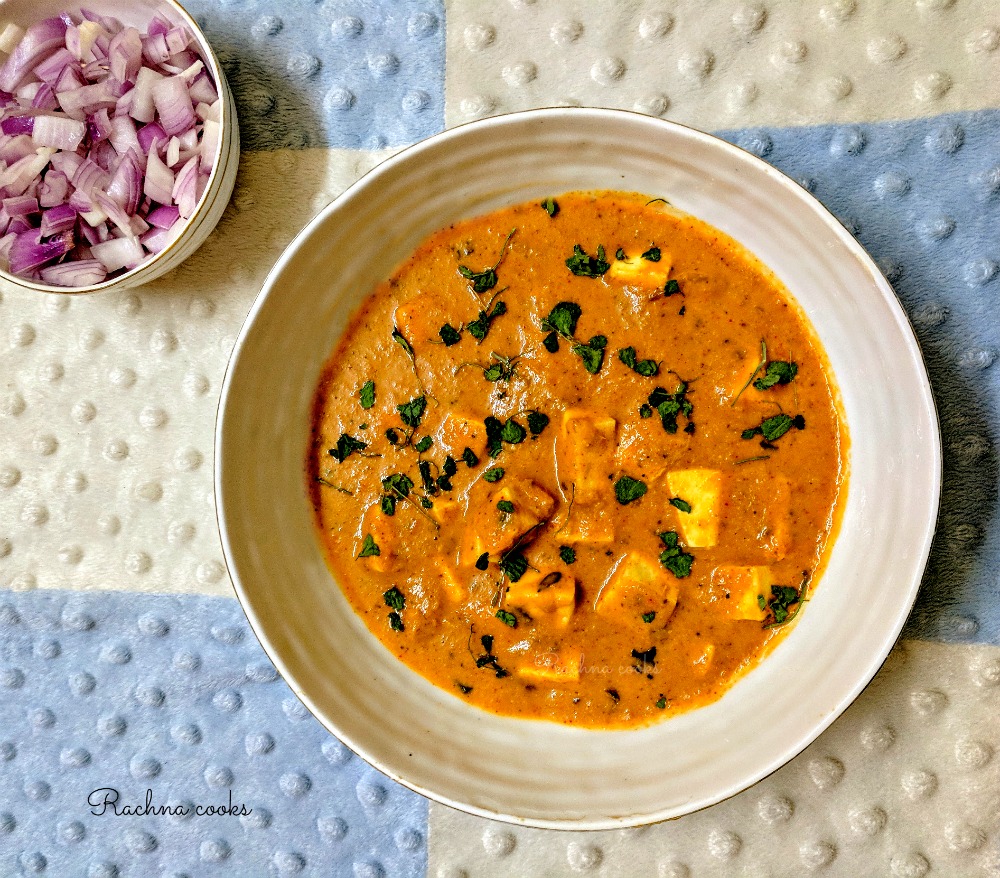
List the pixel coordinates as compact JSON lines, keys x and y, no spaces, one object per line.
{"x":499,"y":842}
{"x":583,"y":857}
{"x":911,"y":865}
{"x":724,"y":844}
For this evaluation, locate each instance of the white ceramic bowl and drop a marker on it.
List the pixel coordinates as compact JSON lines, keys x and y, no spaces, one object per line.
{"x":138,"y":14}
{"x":534,"y":772}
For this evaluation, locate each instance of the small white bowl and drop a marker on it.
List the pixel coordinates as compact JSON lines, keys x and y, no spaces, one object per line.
{"x":528,"y":771}
{"x":138,"y":14}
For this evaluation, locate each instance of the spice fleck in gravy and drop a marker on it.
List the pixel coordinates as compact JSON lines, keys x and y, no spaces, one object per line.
{"x":578,"y":460}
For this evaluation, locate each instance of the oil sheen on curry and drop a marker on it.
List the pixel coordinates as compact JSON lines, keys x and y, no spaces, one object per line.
{"x":578,"y":460}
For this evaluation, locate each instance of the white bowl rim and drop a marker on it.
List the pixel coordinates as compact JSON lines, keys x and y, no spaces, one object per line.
{"x":877,"y":655}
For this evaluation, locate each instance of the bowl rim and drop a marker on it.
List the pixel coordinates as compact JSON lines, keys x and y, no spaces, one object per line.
{"x":228,"y":118}
{"x":877,"y":656}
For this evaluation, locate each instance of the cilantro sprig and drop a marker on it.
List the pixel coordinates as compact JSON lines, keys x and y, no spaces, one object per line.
{"x":345,"y":447}
{"x":646,"y":368}
{"x":673,"y":556}
{"x":670,"y":406}
{"x":773,"y":428}
{"x":583,"y":265}
{"x":485,"y":280}
{"x":628,"y":489}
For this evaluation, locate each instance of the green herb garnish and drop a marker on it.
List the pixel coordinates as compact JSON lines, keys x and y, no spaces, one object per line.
{"x":489,"y":660}
{"x":465,"y":690}
{"x":481,"y":325}
{"x":661,"y":702}
{"x":567,"y":554}
{"x":507,"y":618}
{"x":670,"y":405}
{"x":592,"y":353}
{"x":392,"y":436}
{"x":498,"y":432}
{"x":483,"y":561}
{"x":648,"y":617}
{"x":369,"y":548}
{"x":485,"y":280}
{"x":652,"y":254}
{"x":494,"y":474}
{"x":506,"y":507}
{"x":411,"y":412}
{"x":449,"y":335}
{"x":671,"y":288}
{"x":426,"y":479}
{"x":514,"y":565}
{"x":673,"y":556}
{"x":537,"y":422}
{"x":394,"y":599}
{"x":551,"y":342}
{"x":388,"y":505}
{"x":620,"y":255}
{"x":774,"y":427}
{"x":587,"y":266}
{"x":366,"y":395}
{"x":678,"y":503}
{"x":395,"y":621}
{"x":646,"y":657}
{"x":778,"y":372}
{"x":562,"y":319}
{"x":469,"y":456}
{"x":645,"y":410}
{"x":346,"y":446}
{"x":424,"y":444}
{"x":646,"y":368}
{"x":399,"y":484}
{"x":550,"y":206}
{"x":628,"y":489}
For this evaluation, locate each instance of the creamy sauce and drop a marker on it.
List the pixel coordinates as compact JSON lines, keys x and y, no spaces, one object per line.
{"x":583,"y":621}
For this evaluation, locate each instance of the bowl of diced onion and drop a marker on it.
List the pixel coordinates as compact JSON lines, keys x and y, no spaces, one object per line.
{"x":118,"y":142}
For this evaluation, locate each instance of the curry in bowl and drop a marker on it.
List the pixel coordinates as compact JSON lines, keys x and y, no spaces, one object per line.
{"x":578,"y":460}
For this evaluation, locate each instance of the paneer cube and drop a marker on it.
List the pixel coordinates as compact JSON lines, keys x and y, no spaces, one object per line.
{"x":644,"y":452}
{"x":746,"y":587}
{"x":585,"y":450}
{"x":588,"y":524}
{"x":639,"y":272}
{"x":419,"y":319}
{"x":702,"y":490}
{"x":776,"y":535}
{"x":449,"y":581}
{"x":637,"y":586}
{"x":492,"y":530}
{"x":385,"y":532}
{"x":444,"y":510}
{"x":458,"y":432}
{"x":544,"y":593}
{"x":552,"y":667}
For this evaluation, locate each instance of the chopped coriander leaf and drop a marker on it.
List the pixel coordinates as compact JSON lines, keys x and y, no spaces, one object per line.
{"x":550,"y":206}
{"x":465,"y":690}
{"x":426,"y":502}
{"x":449,"y":467}
{"x":678,"y":503}
{"x":449,"y":335}
{"x":652,"y":254}
{"x":647,"y":657}
{"x":615,"y":697}
{"x":485,"y":280}
{"x":648,"y":617}
{"x":395,"y":621}
{"x":506,"y":507}
{"x":567,"y":554}
{"x":774,"y":427}
{"x":628,"y":489}
{"x":761,"y":602}
{"x":562,"y":319}
{"x":426,"y":479}
{"x":398,"y":483}
{"x":514,"y":565}
{"x":392,"y":436}
{"x":646,"y":368}
{"x":551,"y":342}
{"x":673,"y":556}
{"x":645,"y":410}
{"x":369,"y":548}
{"x":469,"y":456}
{"x":411,"y":412}
{"x":587,"y":266}
{"x":620,"y":255}
{"x":366,"y":395}
{"x":782,"y":597}
{"x":487,"y":641}
{"x":483,"y":561}
{"x":513,"y":432}
{"x":592,"y":353}
{"x":444,"y":483}
{"x":778,"y":372}
{"x":670,"y":405}
{"x":424,"y":444}
{"x":346,"y":446}
{"x":400,"y":339}
{"x":672,"y":288}
{"x":394,"y":599}
{"x":494,"y":372}
{"x":494,"y":474}
{"x":507,"y":618}
{"x":481,"y":325}
{"x":388,"y":505}
{"x":537,"y":422}
{"x":661,"y":702}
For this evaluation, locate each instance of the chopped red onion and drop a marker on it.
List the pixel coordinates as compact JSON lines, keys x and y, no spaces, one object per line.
{"x":108,"y":137}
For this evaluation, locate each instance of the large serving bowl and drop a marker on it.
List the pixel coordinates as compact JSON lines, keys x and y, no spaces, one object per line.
{"x":206,"y":216}
{"x":536,"y":772}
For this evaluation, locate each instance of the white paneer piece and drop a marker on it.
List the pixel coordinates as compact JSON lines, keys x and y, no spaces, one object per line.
{"x":585,"y":455}
{"x":702,"y":490}
{"x":638,"y":272}
{"x":492,"y":531}
{"x":748,"y":588}
{"x":639,"y":585}
{"x":544,"y":593}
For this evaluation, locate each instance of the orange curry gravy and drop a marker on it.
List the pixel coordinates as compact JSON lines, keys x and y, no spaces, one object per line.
{"x":542,"y":594}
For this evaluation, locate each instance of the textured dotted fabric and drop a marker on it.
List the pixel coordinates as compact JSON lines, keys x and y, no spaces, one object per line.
{"x":107,"y":410}
{"x":176,"y":696}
